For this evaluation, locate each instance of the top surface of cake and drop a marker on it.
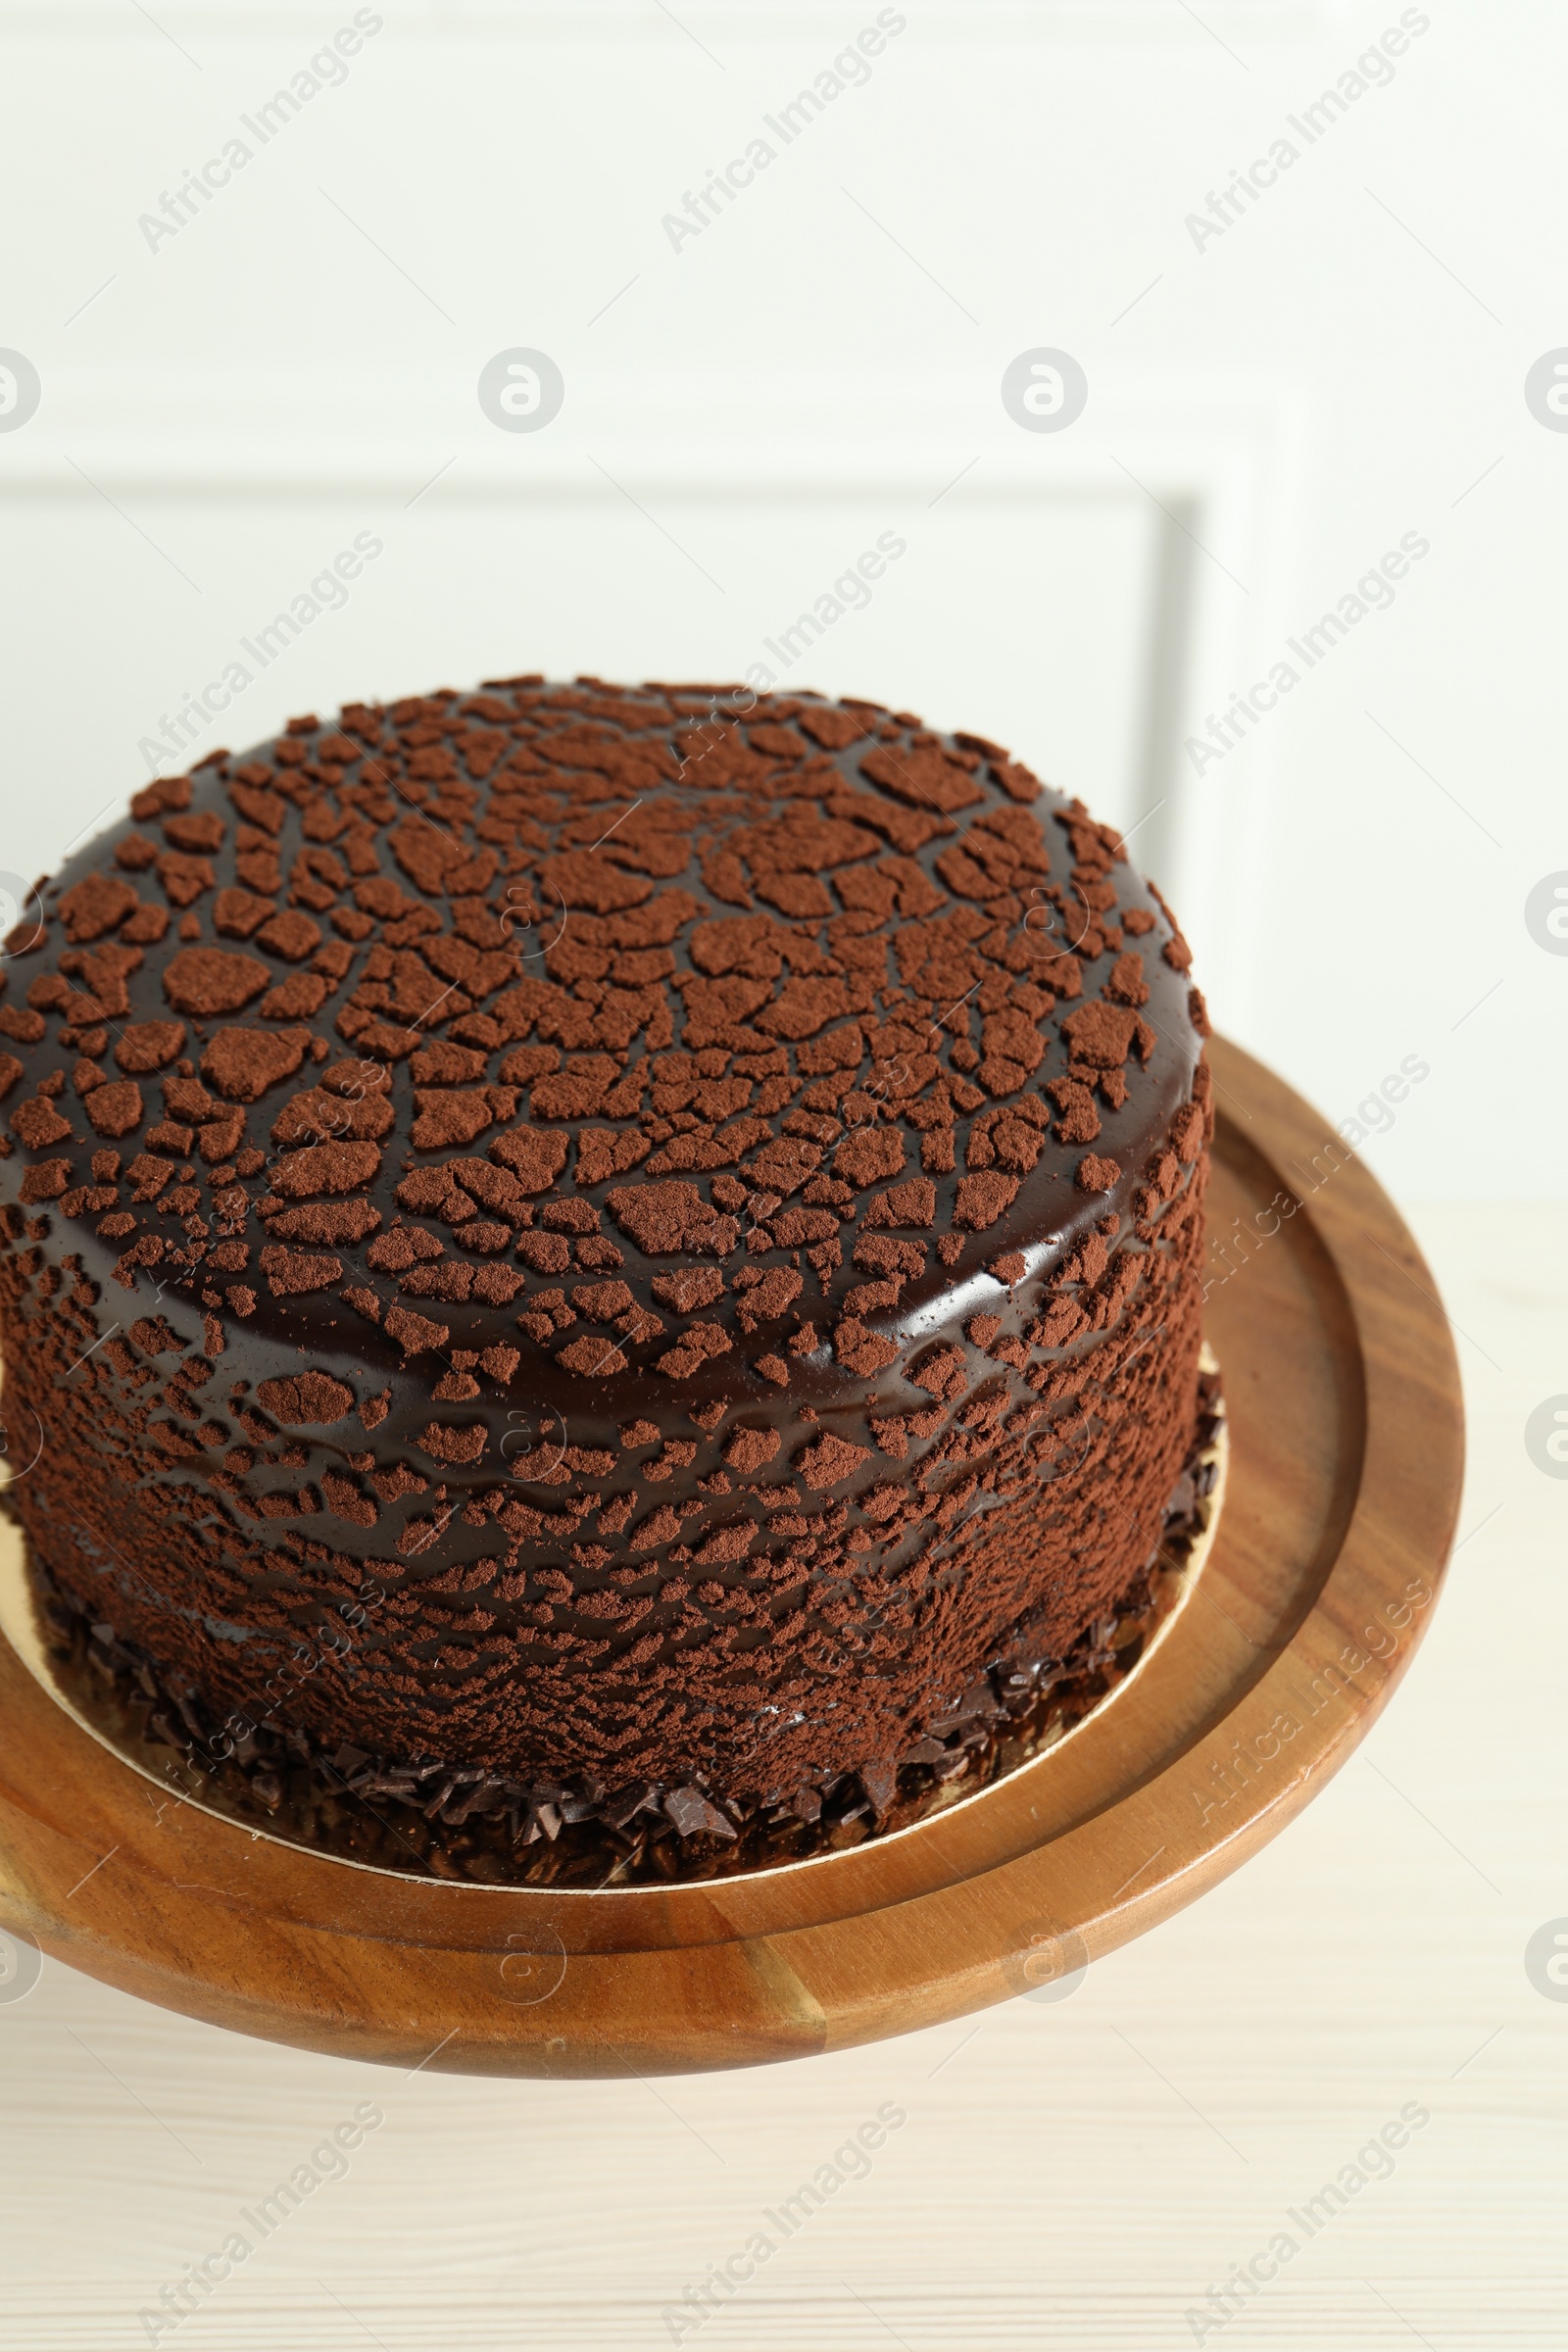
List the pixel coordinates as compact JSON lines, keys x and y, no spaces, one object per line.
{"x":432,"y":995}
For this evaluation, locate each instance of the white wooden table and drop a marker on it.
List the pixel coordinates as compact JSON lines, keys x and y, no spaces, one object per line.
{"x":1073,"y":2173}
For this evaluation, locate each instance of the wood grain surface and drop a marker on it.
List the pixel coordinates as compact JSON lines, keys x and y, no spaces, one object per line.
{"x":1345,"y":1429}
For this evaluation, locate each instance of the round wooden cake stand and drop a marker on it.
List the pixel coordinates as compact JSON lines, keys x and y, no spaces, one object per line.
{"x":1345,"y":1452}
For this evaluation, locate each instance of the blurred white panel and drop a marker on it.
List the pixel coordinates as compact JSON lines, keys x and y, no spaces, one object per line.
{"x":181,"y":597}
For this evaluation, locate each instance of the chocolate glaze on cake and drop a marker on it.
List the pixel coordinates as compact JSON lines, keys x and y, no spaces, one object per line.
{"x":598,"y":1242}
{"x":456,"y":1822}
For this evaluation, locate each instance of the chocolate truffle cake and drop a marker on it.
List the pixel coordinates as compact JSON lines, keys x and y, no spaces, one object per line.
{"x":583,"y":1256}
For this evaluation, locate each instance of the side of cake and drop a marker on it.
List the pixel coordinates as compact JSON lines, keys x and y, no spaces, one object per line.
{"x":635,"y":1255}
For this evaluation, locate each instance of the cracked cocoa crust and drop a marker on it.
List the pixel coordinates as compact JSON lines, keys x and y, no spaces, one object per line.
{"x":558,"y":1230}
{"x":428,"y":1818}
